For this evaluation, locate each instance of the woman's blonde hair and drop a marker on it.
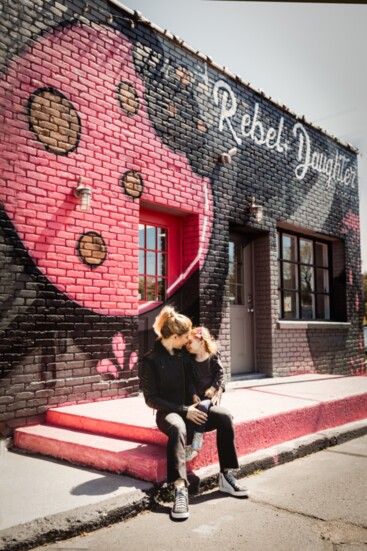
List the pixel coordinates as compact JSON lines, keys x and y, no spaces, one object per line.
{"x":169,"y":322}
{"x":203,"y":334}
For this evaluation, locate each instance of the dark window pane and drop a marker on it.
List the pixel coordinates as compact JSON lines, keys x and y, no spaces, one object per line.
{"x":289,"y":276}
{"x":323,"y":306}
{"x":161,"y":289}
{"x":321,"y":254}
{"x":322,"y":280}
{"x":290,"y":305}
{"x":307,"y":306}
{"x":161,"y":264}
{"x":162,"y":239}
{"x":290,"y":248}
{"x":307,"y":283}
{"x":306,"y":251}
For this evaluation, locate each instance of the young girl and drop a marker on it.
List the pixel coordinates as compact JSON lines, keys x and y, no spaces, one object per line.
{"x":208,"y":382}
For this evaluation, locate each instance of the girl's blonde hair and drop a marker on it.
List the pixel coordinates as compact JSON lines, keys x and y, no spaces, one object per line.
{"x":203,"y":334}
{"x":169,"y":322}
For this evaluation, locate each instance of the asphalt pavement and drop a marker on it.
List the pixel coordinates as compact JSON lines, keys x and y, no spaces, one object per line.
{"x":316,"y":503}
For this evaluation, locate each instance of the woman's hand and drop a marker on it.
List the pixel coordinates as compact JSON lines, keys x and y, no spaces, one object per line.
{"x":195,"y":415}
{"x":217,"y":397}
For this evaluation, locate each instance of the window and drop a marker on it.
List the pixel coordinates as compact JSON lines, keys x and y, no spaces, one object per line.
{"x":235,"y":273}
{"x":304,"y":274}
{"x":152,"y":262}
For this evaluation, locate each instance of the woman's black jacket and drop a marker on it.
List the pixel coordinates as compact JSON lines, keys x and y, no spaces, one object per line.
{"x":165,"y":379}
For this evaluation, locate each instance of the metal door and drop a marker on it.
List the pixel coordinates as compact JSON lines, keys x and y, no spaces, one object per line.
{"x":241,"y":306}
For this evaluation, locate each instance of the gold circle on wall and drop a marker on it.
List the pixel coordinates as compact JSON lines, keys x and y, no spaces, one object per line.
{"x":92,"y":249}
{"x":128,"y":98}
{"x":133,"y":183}
{"x":54,"y":120}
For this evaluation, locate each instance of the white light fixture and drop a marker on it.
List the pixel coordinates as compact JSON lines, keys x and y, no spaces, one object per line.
{"x":84,"y":193}
{"x":256,"y":210}
{"x":227,"y":157}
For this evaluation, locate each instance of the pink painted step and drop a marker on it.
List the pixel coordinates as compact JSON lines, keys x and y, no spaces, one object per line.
{"x":127,"y":418}
{"x":121,"y":435}
{"x":143,"y":461}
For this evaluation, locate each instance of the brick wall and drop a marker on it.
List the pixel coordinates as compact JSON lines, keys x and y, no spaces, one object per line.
{"x":93,"y":97}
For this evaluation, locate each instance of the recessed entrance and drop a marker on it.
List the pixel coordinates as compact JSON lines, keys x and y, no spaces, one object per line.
{"x":241,"y":305}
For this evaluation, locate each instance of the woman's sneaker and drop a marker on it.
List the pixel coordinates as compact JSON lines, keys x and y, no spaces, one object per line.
{"x":197,"y":441}
{"x":229,"y":485}
{"x":180,"y":509}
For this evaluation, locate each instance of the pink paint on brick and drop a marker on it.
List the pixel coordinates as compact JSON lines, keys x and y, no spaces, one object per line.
{"x":111,"y":143}
{"x":352,"y":221}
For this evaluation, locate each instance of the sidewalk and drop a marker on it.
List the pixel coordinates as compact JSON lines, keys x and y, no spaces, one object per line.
{"x":44,"y":499}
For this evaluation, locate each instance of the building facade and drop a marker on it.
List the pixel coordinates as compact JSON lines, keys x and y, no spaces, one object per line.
{"x":135,"y":172}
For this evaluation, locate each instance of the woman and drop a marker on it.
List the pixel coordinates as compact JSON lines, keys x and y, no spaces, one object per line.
{"x":165,"y":378}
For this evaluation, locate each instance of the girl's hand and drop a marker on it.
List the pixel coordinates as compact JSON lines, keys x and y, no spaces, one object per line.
{"x":210,"y":392}
{"x":195,"y":415}
{"x":196,"y":399}
{"x":217,"y":397}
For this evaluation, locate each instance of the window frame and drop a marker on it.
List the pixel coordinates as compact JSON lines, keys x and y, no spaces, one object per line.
{"x":172,"y":225}
{"x":316,"y":268}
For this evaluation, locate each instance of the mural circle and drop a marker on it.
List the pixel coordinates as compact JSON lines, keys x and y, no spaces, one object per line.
{"x":128,"y":98}
{"x":133,"y":183}
{"x":54,"y":120}
{"x":92,"y":249}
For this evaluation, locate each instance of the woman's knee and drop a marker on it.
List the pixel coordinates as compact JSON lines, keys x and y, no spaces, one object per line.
{"x":177,"y":429}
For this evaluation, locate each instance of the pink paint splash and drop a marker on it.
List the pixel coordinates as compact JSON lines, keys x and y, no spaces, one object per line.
{"x":352,"y":222}
{"x":106,"y":366}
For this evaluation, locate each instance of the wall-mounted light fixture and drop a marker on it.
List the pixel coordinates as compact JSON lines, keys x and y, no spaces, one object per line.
{"x":256,"y":210}
{"x":227,"y":157}
{"x":84,"y":193}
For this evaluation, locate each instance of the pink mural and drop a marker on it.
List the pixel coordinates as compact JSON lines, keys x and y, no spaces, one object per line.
{"x":85,"y":121}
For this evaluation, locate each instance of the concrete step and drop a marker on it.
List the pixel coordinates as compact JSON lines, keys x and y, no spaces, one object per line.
{"x":143,"y":461}
{"x":127,"y":418}
{"x":121,"y":435}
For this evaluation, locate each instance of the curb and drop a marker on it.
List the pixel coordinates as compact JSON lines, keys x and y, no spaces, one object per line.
{"x":89,"y":518}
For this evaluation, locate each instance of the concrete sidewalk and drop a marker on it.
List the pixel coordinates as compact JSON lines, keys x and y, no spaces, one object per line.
{"x":43,"y":500}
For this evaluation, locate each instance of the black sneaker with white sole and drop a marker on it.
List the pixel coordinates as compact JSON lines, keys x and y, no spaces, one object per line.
{"x":229,"y":484}
{"x":180,"y":509}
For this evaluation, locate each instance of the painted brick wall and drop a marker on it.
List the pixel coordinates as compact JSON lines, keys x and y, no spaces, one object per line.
{"x":92,"y":96}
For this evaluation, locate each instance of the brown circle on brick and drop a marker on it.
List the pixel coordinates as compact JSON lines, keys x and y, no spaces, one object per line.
{"x":133,"y":183}
{"x":54,"y":120}
{"x":128,"y":98}
{"x":92,"y":249}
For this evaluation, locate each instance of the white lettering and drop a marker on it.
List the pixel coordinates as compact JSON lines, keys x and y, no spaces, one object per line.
{"x":335,"y":168}
{"x":226,"y":112}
